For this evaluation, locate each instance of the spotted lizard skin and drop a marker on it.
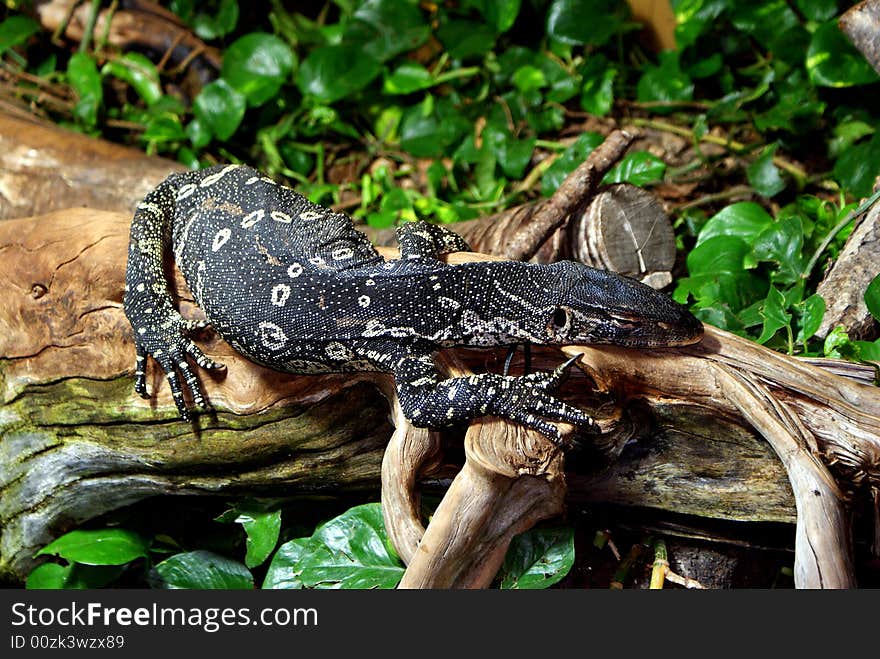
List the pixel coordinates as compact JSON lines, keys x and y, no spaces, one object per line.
{"x":294,"y":286}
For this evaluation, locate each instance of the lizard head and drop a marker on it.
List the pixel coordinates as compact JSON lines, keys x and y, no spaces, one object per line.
{"x":596,"y":306}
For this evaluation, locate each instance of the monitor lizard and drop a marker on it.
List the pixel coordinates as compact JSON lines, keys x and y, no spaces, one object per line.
{"x":294,"y":286}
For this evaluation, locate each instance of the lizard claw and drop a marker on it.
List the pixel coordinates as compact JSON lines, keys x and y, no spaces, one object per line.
{"x":166,"y":342}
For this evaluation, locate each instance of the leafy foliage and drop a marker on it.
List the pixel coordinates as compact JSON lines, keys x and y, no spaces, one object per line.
{"x":400,"y":110}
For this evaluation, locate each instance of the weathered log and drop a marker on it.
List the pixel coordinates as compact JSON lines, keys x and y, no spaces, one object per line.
{"x":77,"y":442}
{"x":44,"y":168}
{"x":861,"y":24}
{"x":843,"y":287}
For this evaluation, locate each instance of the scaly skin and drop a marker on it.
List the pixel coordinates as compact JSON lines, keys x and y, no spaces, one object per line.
{"x":296,"y":287}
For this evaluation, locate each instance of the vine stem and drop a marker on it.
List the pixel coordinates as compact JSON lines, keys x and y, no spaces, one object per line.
{"x":852,"y":215}
{"x":799,"y":174}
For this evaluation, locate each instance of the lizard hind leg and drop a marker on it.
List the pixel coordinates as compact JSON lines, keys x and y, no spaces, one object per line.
{"x":422,"y":239}
{"x":429,"y":400}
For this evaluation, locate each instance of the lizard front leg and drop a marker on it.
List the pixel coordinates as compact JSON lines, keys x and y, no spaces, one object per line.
{"x":159,"y":329}
{"x":429,"y":400}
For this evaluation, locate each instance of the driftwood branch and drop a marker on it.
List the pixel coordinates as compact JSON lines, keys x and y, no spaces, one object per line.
{"x":73,"y":444}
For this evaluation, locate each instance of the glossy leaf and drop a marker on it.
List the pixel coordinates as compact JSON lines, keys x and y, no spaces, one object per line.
{"x":262,"y":529}
{"x":764,"y":176}
{"x":692,"y":17}
{"x":858,"y":167}
{"x":538,"y":558}
{"x":220,"y":109}
{"x":201,"y":570}
{"x":745,"y":220}
{"x":48,"y":576}
{"x":465,"y":39}
{"x":500,"y":14}
{"x":334,"y":72}
{"x":597,"y":93}
{"x":407,"y":78}
{"x":774,"y":314}
{"x":385,"y":28}
{"x":872,"y":297}
{"x":286,"y":567}
{"x":139,"y":72}
{"x":15,"y":30}
{"x":112,"y":546}
{"x":869,"y":350}
{"x":817,"y":10}
{"x":637,"y":168}
{"x":718,"y":274}
{"x":352,"y":551}
{"x":257,"y":65}
{"x":665,"y":81}
{"x":82,"y":73}
{"x":427,"y":132}
{"x":578,"y":22}
{"x":782,"y":242}
{"x":209,"y":26}
{"x":812,"y":312}
{"x":832,"y":61}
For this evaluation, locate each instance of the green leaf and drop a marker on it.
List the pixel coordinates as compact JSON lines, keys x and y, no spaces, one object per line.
{"x":111,"y":546}
{"x":597,"y":94}
{"x":637,"y":168}
{"x":15,"y":30}
{"x":429,"y":134}
{"x":858,"y":167}
{"x":83,"y":76}
{"x":164,"y":128}
{"x":257,"y":65}
{"x":500,"y":14}
{"x":139,"y":72}
{"x":869,"y":350}
{"x":665,"y":82}
{"x":763,"y":20}
{"x":220,"y":109}
{"x":409,"y":77}
{"x":465,"y":39}
{"x":528,"y":77}
{"x":692,"y":17}
{"x":352,"y":551}
{"x":812,"y":312}
{"x":764,"y":176}
{"x":198,"y":133}
{"x":201,"y":570}
{"x":579,"y":22}
{"x":745,"y":220}
{"x":385,"y":28}
{"x":832,"y":61}
{"x":817,"y":10}
{"x":718,"y":274}
{"x":262,"y":529}
{"x":838,"y":345}
{"x":538,"y":558}
{"x":872,"y":297}
{"x":774,"y":314}
{"x":331,"y":73}
{"x":573,"y":156}
{"x":285,"y":569}
{"x":782,"y":241}
{"x":48,"y":576}
{"x":222,"y":23}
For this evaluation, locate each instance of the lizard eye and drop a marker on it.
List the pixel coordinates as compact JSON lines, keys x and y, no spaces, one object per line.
{"x":560,"y":322}
{"x":560,"y":317}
